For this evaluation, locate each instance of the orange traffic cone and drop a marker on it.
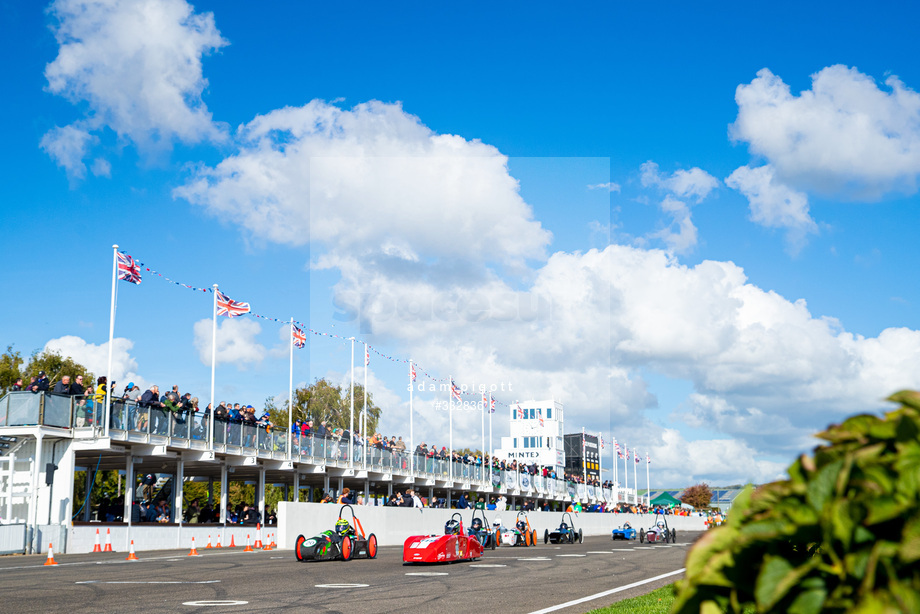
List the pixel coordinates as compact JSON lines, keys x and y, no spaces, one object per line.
{"x":209,"y":543}
{"x":218,"y":542}
{"x":258,"y":543}
{"x":268,"y":545}
{"x":50,"y":560}
{"x":108,"y":541}
{"x":232,"y":542}
{"x":273,"y":544}
{"x":193,"y":552}
{"x":97,"y":547}
{"x":248,"y":548}
{"x":131,"y":555}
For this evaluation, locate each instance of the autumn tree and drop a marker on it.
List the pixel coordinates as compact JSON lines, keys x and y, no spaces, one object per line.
{"x":698,"y":496}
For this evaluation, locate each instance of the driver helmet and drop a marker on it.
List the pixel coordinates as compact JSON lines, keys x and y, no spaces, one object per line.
{"x":452,"y":527}
{"x":342,"y":527}
{"x":476,"y":524}
{"x":660,"y":524}
{"x":626,"y":525}
{"x":563,"y":526}
{"x":521,"y":525}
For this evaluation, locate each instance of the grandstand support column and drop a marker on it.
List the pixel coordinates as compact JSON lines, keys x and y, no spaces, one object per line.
{"x":367,"y":491}
{"x":223,"y":492}
{"x":179,"y":495}
{"x":33,"y":504}
{"x":89,"y":485}
{"x":341,"y":486}
{"x":325,"y":485}
{"x":296,"y":497}
{"x":448,"y":498}
{"x":261,"y":493}
{"x":390,"y":490}
{"x":211,"y":491}
{"x":129,"y":494}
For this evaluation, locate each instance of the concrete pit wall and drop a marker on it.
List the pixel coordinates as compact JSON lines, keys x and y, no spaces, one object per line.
{"x":393,"y":525}
{"x":151,"y":536}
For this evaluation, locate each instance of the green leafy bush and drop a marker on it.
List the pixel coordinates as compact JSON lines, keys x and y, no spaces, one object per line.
{"x":842,"y":534}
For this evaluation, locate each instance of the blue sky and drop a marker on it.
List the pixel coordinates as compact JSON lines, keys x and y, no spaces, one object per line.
{"x":716,"y":205}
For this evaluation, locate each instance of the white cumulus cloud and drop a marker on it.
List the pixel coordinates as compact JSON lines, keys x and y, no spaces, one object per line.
{"x":95,"y":358}
{"x":844,"y":137}
{"x":236,"y":341}
{"x":774,"y":204}
{"x":354,"y":180}
{"x":680,"y":235}
{"x":135,"y":66}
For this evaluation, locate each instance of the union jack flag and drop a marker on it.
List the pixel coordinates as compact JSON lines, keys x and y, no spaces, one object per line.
{"x":602,"y":442}
{"x":648,"y":459}
{"x":636,"y":456}
{"x":299,"y":337}
{"x":412,"y":371}
{"x":128,"y":269}
{"x":520,"y":413}
{"x":491,"y":404}
{"x":540,"y":416}
{"x":454,"y":390}
{"x":230,"y":308}
{"x":485,"y":402}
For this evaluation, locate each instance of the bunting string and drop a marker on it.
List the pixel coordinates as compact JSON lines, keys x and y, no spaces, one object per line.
{"x":305,"y":327}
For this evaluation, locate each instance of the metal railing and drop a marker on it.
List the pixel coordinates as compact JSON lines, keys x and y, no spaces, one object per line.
{"x":186,"y":429}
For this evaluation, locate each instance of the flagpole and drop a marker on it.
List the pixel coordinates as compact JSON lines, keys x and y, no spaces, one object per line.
{"x":364,"y":411}
{"x":411,"y":433}
{"x":648,"y":484}
{"x":351,"y":432}
{"x":616,"y":473}
{"x":290,"y":441}
{"x":482,"y":426}
{"x":108,"y":373}
{"x":450,"y":419}
{"x":490,"y":438}
{"x":635,"y":473}
{"x":213,"y":361}
{"x":584,"y":459}
{"x":600,"y":461}
{"x":626,"y":475}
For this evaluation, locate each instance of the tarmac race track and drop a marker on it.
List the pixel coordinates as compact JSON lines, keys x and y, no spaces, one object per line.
{"x":507,"y":580}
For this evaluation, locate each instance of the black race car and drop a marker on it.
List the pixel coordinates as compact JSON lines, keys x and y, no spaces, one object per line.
{"x":479,"y":528}
{"x":342,"y":543}
{"x":565,"y":534}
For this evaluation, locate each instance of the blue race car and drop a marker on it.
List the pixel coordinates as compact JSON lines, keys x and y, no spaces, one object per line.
{"x":624,"y":532}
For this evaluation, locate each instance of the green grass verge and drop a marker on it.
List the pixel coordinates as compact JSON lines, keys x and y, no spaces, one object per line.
{"x":657,"y":602}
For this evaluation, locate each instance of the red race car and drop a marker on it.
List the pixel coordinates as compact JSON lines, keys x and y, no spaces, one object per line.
{"x":454,"y":545}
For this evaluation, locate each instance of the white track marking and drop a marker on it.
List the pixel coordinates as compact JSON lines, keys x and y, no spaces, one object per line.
{"x":206,"y":604}
{"x":146,"y":582}
{"x":484,"y":565}
{"x":341,"y":585}
{"x":612,"y":591}
{"x":427,"y":573}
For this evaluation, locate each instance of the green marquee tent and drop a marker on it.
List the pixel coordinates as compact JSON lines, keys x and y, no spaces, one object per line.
{"x":665,"y":499}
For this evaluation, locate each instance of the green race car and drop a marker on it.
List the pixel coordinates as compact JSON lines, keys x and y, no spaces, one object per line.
{"x":341,"y":543}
